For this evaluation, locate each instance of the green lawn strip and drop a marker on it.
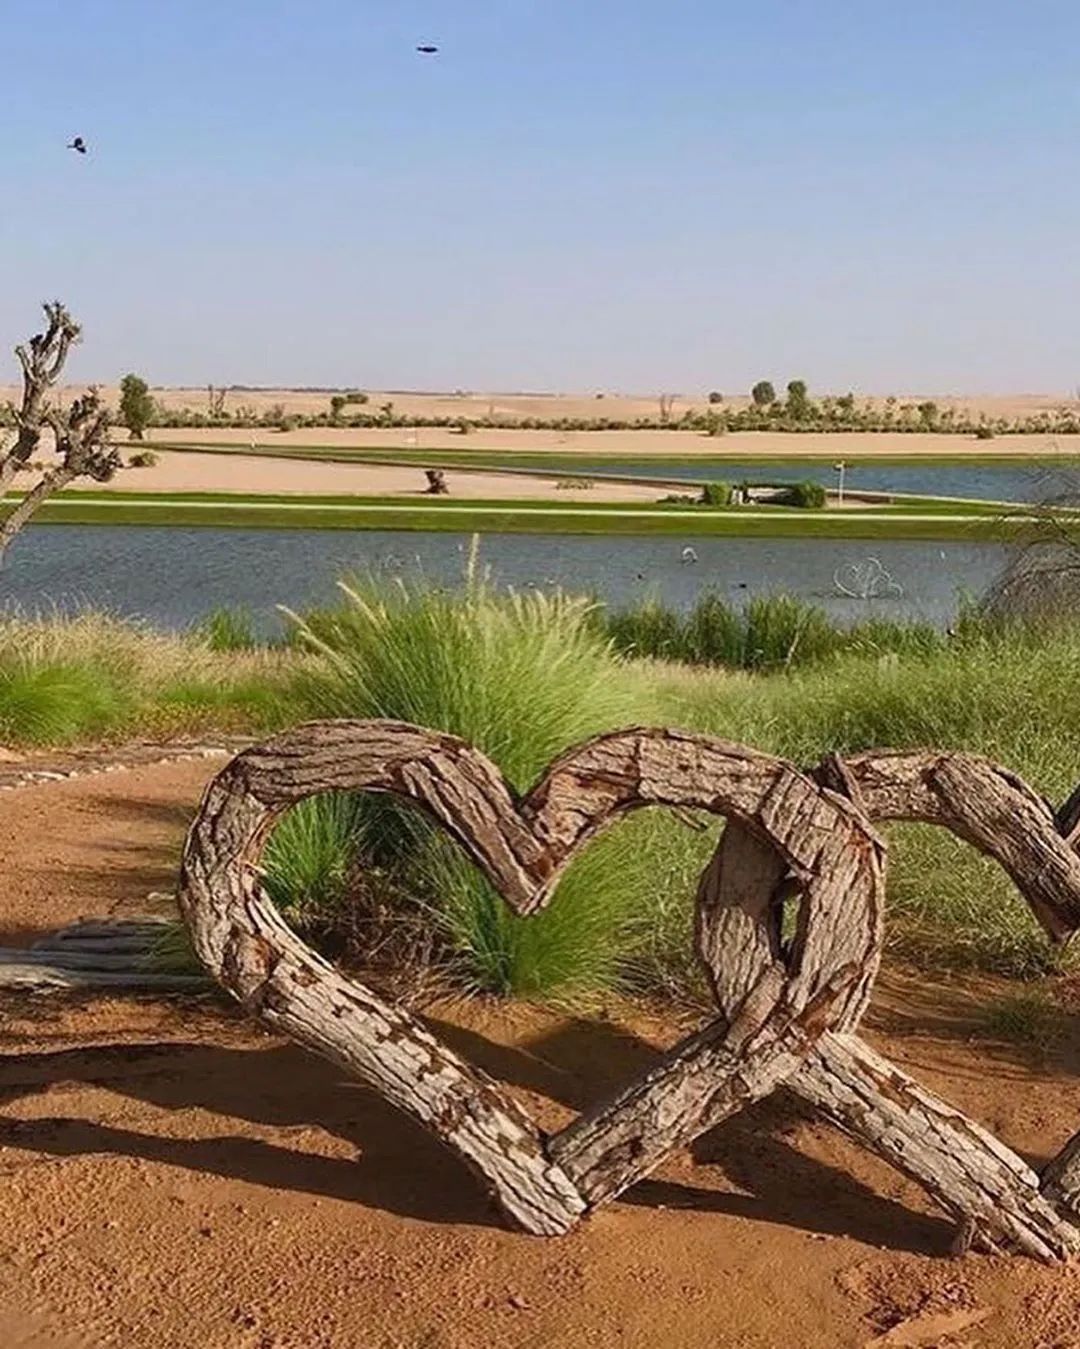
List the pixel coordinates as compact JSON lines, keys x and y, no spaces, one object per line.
{"x":293,"y":501}
{"x":506,"y":519}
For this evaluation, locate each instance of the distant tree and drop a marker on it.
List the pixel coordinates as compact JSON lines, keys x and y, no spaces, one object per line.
{"x":928,"y":413}
{"x":716,"y":396}
{"x":667,"y":405}
{"x":215,"y":401}
{"x":79,"y":432}
{"x":136,"y":405}
{"x":763,"y":393}
{"x":337,"y":405}
{"x":798,"y":404}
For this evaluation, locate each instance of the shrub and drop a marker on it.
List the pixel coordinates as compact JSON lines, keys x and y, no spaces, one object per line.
{"x":716,"y":397}
{"x":984,"y":433}
{"x":763,"y":394}
{"x":143,"y":459}
{"x":716,"y":494}
{"x":807,"y":495}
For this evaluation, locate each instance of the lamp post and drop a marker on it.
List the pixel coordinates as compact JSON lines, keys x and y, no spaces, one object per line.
{"x":840,"y":467}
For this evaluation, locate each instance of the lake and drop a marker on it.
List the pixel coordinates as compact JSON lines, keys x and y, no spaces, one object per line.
{"x":1040,"y":480}
{"x":173,"y":577}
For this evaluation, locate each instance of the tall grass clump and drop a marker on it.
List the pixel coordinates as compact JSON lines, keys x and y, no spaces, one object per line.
{"x":92,"y":677}
{"x":228,"y":630}
{"x":523,"y":677}
{"x":770,"y":632}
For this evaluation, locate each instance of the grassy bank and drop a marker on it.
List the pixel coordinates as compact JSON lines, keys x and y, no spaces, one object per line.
{"x":928,"y":519}
{"x":523,"y":677}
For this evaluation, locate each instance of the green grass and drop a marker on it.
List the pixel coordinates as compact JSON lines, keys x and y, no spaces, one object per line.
{"x":974,"y":523}
{"x":1029,"y":1017}
{"x":525,"y":676}
{"x":770,"y":632}
{"x":1010,"y":696}
{"x":94,"y":678}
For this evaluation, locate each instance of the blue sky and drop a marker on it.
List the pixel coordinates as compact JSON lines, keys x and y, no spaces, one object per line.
{"x":574,"y":194}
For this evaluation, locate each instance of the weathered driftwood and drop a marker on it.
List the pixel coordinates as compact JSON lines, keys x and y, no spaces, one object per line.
{"x":1001,"y":816}
{"x":969,"y":1172}
{"x":965,"y":1169}
{"x":106,"y":953}
{"x":788,"y":1010}
{"x":985,"y":805}
{"x":28,"y":977}
{"x":524,"y":848}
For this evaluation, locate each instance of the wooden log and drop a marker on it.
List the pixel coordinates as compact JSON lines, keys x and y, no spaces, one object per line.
{"x":991,"y":1192}
{"x":30,"y":977}
{"x":966,"y":1170}
{"x":982,"y":803}
{"x":74,"y":958}
{"x":524,"y":847}
{"x":970,"y":1173}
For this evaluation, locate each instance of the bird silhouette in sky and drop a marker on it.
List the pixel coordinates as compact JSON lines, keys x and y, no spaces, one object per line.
{"x":428,"y":50}
{"x":78,"y":144}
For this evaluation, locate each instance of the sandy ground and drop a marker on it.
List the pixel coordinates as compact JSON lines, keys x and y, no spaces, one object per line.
{"x":169,"y":1176}
{"x":675,"y":444}
{"x":250,"y":475}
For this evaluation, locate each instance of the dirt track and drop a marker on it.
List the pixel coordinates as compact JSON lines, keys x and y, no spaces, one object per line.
{"x":171,"y":1177}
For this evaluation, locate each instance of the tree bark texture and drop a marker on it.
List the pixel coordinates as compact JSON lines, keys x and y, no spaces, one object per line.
{"x":789,"y":995}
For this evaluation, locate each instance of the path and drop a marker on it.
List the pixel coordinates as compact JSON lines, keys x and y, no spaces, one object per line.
{"x":169,"y":1176}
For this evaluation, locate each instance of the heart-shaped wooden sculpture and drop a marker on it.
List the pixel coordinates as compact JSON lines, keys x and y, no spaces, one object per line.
{"x":787,"y":1012}
{"x":543,"y":1183}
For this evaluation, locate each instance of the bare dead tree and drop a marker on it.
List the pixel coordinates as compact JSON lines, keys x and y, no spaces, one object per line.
{"x":1040,"y":581}
{"x":667,"y":404}
{"x":215,"y":400}
{"x":80,"y":432}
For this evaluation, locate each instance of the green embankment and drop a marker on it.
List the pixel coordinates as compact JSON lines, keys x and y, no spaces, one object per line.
{"x":926,"y":519}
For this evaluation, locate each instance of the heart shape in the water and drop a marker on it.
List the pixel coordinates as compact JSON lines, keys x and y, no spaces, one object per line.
{"x":867,"y":580}
{"x":820,"y":981}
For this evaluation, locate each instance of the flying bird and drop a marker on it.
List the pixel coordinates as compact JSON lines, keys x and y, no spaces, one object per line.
{"x":78,"y":144}
{"x":428,"y":50}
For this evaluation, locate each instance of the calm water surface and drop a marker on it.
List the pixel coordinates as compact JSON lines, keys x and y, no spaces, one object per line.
{"x":173,"y":577}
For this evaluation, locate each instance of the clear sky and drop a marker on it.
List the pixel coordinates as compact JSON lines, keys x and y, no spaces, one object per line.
{"x":574,"y":194}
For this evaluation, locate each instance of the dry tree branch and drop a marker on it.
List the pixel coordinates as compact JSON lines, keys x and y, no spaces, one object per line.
{"x":80,"y":432}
